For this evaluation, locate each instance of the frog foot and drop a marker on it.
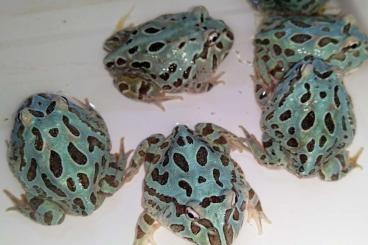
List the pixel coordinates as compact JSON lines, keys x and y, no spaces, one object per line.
{"x":248,"y":139}
{"x":18,"y":202}
{"x":353,"y":161}
{"x":237,"y":143}
{"x":162,"y":97}
{"x":257,"y":215}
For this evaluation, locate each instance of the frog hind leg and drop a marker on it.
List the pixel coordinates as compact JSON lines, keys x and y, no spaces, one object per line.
{"x":143,"y":89}
{"x":42,"y":211}
{"x":220,"y":137}
{"x":339,"y":166}
{"x":113,"y":175}
{"x":255,"y":211}
{"x":145,"y":153}
{"x":268,"y":153}
{"x":146,"y":226}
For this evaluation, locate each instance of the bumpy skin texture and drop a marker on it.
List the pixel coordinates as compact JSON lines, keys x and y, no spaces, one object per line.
{"x":60,"y":151}
{"x":308,"y":123}
{"x":289,"y":7}
{"x":282,"y":41}
{"x":193,"y":187}
{"x":169,"y":54}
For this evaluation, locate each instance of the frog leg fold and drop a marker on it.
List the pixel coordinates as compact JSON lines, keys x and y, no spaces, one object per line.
{"x":268,"y":153}
{"x":113,"y":176}
{"x":207,"y":85}
{"x":339,"y":166}
{"x":145,"y":153}
{"x":41,"y":210}
{"x":146,"y":226}
{"x":220,"y":137}
{"x":143,"y":89}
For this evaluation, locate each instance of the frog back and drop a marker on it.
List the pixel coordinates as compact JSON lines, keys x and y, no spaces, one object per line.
{"x":310,"y":115}
{"x":56,"y":154}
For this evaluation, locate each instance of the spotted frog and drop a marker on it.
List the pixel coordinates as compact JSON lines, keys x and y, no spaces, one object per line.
{"x":308,"y":123}
{"x":60,"y":151}
{"x":193,"y":187}
{"x":289,"y":7}
{"x":170,"y":54}
{"x":283,"y":41}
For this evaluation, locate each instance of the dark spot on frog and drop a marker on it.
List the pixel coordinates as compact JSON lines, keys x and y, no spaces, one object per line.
{"x":178,"y":83}
{"x":177,"y":228}
{"x":300,"y":38}
{"x":56,"y":165}
{"x":329,"y":123}
{"x":83,"y":179}
{"x":308,"y":121}
{"x":327,"y":40}
{"x":289,"y":52}
{"x":70,"y":184}
{"x":36,"y":113}
{"x":92,"y":142}
{"x":79,"y":203}
{"x":216,"y":176}
{"x":186,"y":186}
{"x":97,"y":169}
{"x":51,"y":107}
{"x":119,"y":62}
{"x":48,"y":217}
{"x":51,"y":186}
{"x":54,"y":132}
{"x":322,"y":94}
{"x":277,"y":49}
{"x":180,"y":141}
{"x":32,"y":171}
{"x":310,"y":145}
{"x":165,"y":76}
{"x":172,"y":67}
{"x":151,"y":30}
{"x":143,"y":64}
{"x":155,"y":47}
{"x":285,"y":115}
{"x":292,"y":142}
{"x":181,"y":162}
{"x":336,"y":96}
{"x":201,"y":179}
{"x":38,"y":143}
{"x":195,"y":228}
{"x":133,"y":50}
{"x":201,"y":156}
{"x":93,"y":198}
{"x":73,"y":130}
{"x":189,"y":140}
{"x":187,"y":72}
{"x":279,"y":34}
{"x":76,"y":155}
{"x":161,"y":179}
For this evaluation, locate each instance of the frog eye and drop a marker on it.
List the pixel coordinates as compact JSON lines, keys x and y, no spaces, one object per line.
{"x":212,"y":38}
{"x":191,"y":214}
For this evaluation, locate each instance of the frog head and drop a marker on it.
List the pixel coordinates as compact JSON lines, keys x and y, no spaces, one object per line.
{"x":353,"y":49}
{"x":217,"y":37}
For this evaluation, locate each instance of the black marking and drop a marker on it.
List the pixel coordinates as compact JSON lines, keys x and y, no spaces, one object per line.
{"x":71,"y":185}
{"x":161,"y":179}
{"x":216,"y":175}
{"x":186,"y":186}
{"x":73,"y":130}
{"x":51,"y":186}
{"x":54,"y":132}
{"x":92,"y":142}
{"x":76,"y":155}
{"x":155,"y":47}
{"x":133,"y":50}
{"x":285,"y":115}
{"x":38,"y":143}
{"x":32,"y":171}
{"x":36,"y":113}
{"x":329,"y":123}
{"x":151,"y":30}
{"x":56,"y":164}
{"x":308,"y":121}
{"x":300,"y":38}
{"x":202,"y":156}
{"x":83,"y":179}
{"x":181,"y":162}
{"x":51,"y":107}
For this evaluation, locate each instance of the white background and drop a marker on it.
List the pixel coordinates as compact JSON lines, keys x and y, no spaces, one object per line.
{"x":56,"y":46}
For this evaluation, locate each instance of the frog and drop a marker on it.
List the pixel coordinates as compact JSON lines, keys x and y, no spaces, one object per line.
{"x":289,"y":7}
{"x":59,"y":150}
{"x":193,"y":187}
{"x":172,"y":53}
{"x":308,"y":124}
{"x":283,"y":41}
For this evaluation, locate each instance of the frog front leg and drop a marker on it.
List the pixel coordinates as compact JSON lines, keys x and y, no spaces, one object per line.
{"x":220,"y":137}
{"x":269,"y":153}
{"x":146,"y":153}
{"x":113,"y":175}
{"x":339,"y":166}
{"x":146,"y":226}
{"x":143,"y":89}
{"x":41,"y":210}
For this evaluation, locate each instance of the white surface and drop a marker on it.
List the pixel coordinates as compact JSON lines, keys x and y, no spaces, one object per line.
{"x":56,"y":46}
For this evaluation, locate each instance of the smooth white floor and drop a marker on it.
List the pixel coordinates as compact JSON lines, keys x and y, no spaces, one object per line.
{"x":56,"y":46}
